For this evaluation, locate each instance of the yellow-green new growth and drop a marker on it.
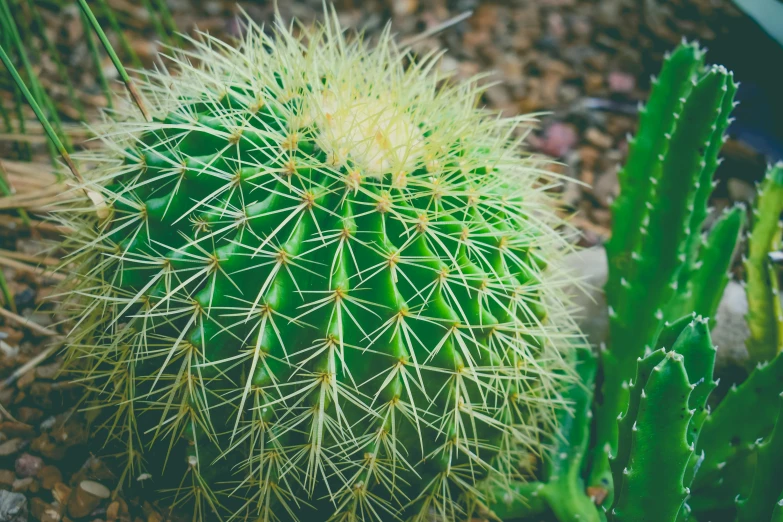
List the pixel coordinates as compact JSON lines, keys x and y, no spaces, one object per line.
{"x":327,"y":289}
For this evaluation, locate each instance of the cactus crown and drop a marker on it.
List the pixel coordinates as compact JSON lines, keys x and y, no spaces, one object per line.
{"x":322,"y":285}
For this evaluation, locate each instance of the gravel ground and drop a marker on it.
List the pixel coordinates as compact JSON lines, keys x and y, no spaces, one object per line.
{"x":583,"y":64}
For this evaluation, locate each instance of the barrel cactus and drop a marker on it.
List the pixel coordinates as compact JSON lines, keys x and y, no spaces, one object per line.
{"x":320,"y":283}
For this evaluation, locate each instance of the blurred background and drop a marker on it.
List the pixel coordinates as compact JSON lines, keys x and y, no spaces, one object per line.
{"x":584,"y":64}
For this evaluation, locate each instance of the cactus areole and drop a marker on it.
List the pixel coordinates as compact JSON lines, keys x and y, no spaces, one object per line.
{"x":326,"y":289}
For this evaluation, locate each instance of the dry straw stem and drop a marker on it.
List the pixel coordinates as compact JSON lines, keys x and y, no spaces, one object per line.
{"x":95,"y":197}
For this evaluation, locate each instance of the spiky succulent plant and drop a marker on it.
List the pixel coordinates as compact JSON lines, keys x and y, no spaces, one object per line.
{"x":323,"y":289}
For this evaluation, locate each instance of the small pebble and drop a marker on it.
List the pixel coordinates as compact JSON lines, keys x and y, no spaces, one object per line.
{"x":28,"y":465}
{"x":22,"y":485}
{"x":25,"y":380}
{"x":558,"y":139}
{"x":13,"y":507}
{"x":587,"y":177}
{"x":49,"y":476}
{"x":61,"y":492}
{"x":606,"y":188}
{"x":48,"y":371}
{"x":602,"y":216}
{"x":37,"y":507}
{"x":29,"y":415}
{"x":620,"y":82}
{"x":12,"y":335}
{"x":10,"y":447}
{"x":113,"y":512}
{"x":46,"y":446}
{"x":25,"y":298}
{"x":740,"y":190}
{"x":598,"y":138}
{"x":404,"y":7}
{"x":7,"y":477}
{"x":589,"y":156}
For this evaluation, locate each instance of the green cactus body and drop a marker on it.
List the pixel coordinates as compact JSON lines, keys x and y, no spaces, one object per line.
{"x":730,"y":433}
{"x":767,"y":480}
{"x":697,"y":296}
{"x":695,"y":345}
{"x":734,"y":481}
{"x":564,"y":491}
{"x":671,"y":331}
{"x":659,"y":188}
{"x":323,"y":290}
{"x":777,"y":513}
{"x":519,"y":500}
{"x":626,"y":423}
{"x":765,"y":318}
{"x":651,"y":486}
{"x":709,"y":280}
{"x":657,"y":123}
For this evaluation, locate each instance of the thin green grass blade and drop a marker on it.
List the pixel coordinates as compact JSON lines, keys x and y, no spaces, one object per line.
{"x":169,"y":22}
{"x":115,"y":26}
{"x":9,"y":298}
{"x":53,"y":138}
{"x":9,"y":128}
{"x":54,"y":54}
{"x":96,"y":60}
{"x":26,"y":31}
{"x":22,"y":148}
{"x":40,"y":96}
{"x":157,"y":23}
{"x":115,"y":60}
{"x":5,"y":188}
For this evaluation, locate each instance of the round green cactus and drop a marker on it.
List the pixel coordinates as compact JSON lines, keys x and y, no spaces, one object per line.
{"x":324,"y":289}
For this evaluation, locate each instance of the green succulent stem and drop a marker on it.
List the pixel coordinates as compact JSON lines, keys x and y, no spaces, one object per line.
{"x":651,"y":485}
{"x":730,"y":433}
{"x":662,"y":185}
{"x":777,"y":513}
{"x":765,"y":319}
{"x":714,"y":261}
{"x":768,"y":479}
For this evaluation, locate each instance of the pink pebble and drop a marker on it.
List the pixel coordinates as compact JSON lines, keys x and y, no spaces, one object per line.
{"x":558,"y":139}
{"x":28,"y":465}
{"x":621,"y":82}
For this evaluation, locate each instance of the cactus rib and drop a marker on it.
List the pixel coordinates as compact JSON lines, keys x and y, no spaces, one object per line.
{"x":564,"y":490}
{"x":744,"y":416}
{"x":714,"y":262}
{"x":765,"y":319}
{"x":767,"y":480}
{"x":652,"y":486}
